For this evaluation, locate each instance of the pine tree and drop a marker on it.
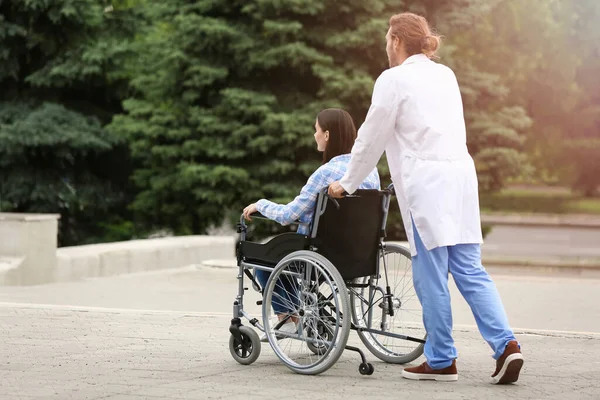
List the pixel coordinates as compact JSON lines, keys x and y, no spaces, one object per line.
{"x":582,"y":133}
{"x":495,"y":123}
{"x":61,"y":81}
{"x":226,"y":95}
{"x":547,"y":54}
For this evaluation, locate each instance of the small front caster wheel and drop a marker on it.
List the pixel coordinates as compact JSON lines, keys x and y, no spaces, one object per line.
{"x":366,"y":369}
{"x":247,"y":350}
{"x":371,"y":369}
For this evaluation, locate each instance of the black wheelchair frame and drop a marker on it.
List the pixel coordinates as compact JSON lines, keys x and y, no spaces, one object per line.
{"x":354,"y":253}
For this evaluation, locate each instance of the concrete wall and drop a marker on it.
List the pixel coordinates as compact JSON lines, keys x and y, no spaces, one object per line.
{"x":29,"y":254}
{"x":139,"y":255}
{"x":28,"y":247}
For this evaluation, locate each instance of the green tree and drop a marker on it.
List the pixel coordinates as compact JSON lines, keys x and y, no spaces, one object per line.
{"x":582,"y":160}
{"x":61,"y":77}
{"x":547,"y":52}
{"x":582,"y":136}
{"x":226,"y":95}
{"x":495,"y":122}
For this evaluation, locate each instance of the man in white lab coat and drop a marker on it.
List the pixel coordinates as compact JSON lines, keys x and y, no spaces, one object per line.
{"x":416,"y":116}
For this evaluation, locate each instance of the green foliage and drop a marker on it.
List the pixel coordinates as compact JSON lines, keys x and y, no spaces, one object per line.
{"x":495,"y":124}
{"x":486,"y":229}
{"x":60,"y":71}
{"x":584,"y":159}
{"x":226,"y":95}
{"x":52,"y":160}
{"x":550,"y":201}
{"x":215,"y":101}
{"x":395,"y":228}
{"x":547,"y":53}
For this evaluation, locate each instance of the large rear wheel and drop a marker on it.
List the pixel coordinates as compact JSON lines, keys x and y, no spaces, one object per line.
{"x":399,"y":314}
{"x":315,"y":295}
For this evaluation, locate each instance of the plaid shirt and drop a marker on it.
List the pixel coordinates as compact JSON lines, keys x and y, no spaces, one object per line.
{"x":302,"y":208}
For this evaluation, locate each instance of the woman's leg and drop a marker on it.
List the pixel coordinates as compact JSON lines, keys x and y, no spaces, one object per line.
{"x":291,"y":288}
{"x":282,"y":301}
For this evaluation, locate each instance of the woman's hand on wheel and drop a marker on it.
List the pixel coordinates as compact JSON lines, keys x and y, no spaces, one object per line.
{"x":251,"y":209}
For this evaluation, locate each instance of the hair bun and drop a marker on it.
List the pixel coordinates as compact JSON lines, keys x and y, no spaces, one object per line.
{"x":415,"y":34}
{"x":430,"y":44}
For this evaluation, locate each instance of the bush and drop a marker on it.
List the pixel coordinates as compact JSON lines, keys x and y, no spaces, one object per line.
{"x":583,"y":158}
{"x":56,"y":160}
{"x":395,"y":227}
{"x":529,"y":201}
{"x":524,"y":202}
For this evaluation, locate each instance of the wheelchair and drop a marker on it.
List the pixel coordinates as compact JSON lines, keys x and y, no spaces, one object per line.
{"x":341,"y":276}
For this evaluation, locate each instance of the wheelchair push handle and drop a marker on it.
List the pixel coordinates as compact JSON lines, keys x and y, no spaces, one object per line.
{"x":334,"y":200}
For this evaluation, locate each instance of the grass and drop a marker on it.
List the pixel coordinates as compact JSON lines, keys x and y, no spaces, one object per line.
{"x":539,"y":200}
{"x":586,"y":206}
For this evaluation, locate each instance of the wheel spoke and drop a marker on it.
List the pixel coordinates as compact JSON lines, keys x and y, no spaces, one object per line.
{"x":319,"y":302}
{"x":407,"y":312}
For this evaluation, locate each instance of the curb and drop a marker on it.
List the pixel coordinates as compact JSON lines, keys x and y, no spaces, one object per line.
{"x":567,"y":268}
{"x":543,"y":220}
{"x":222,"y":263}
{"x":589,"y":264}
{"x":581,"y":266}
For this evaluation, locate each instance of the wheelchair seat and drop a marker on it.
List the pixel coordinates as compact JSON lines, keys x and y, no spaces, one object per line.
{"x":271,"y":252}
{"x":346,"y":231}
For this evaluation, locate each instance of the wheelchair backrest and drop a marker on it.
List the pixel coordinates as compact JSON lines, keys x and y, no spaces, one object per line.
{"x":348,"y":231}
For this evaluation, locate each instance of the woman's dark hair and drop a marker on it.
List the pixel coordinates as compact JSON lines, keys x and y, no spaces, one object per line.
{"x":342,"y":132}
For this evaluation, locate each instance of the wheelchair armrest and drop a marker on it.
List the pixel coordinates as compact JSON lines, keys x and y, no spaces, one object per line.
{"x":260,"y":216}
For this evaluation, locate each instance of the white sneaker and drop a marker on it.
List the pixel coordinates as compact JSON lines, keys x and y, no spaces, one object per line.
{"x":274,"y":320}
{"x":289,"y":327}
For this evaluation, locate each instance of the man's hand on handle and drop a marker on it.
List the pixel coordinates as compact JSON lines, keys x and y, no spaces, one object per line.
{"x":336,"y":190}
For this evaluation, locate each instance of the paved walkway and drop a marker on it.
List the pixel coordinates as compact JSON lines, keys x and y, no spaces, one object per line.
{"x":64,"y":353}
{"x":80,"y":346}
{"x":541,"y":219}
{"x":544,"y":246}
{"x":543,"y":302}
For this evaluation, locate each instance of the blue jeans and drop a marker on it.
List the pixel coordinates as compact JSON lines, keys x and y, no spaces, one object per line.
{"x":430,"y":277}
{"x":285,"y":295}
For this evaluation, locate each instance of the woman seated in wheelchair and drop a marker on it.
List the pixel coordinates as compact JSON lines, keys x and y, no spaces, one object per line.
{"x":335,"y":134}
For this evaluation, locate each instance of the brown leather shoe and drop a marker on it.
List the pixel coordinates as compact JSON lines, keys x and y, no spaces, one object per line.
{"x":424,"y":372}
{"x":509,"y":364}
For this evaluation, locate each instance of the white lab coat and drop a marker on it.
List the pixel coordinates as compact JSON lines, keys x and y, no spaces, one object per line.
{"x":416,"y":116}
